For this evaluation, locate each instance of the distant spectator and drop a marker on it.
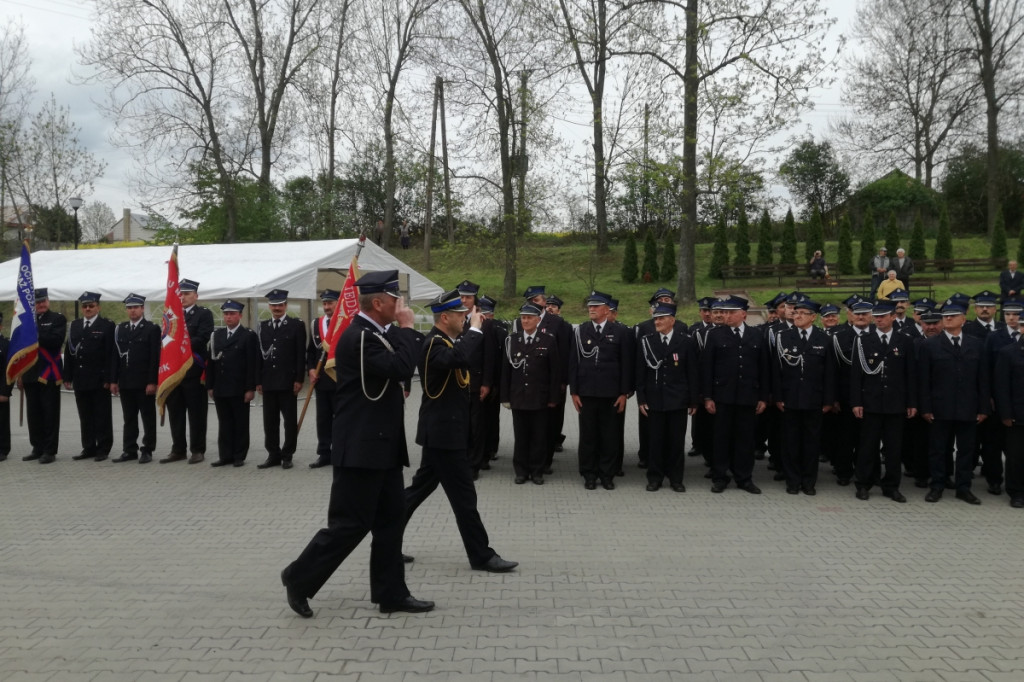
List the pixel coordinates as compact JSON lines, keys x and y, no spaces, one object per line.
{"x":889,"y":285}
{"x":903,"y":266}
{"x":818,"y":268}
{"x":405,"y":234}
{"x":879,"y":266}
{"x":378,"y":235}
{"x":1011,"y":282}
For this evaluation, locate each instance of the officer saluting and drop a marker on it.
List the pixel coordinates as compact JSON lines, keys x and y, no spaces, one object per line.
{"x":134,"y":378}
{"x":231,"y":381}
{"x":88,"y":352}
{"x":41,"y":383}
{"x":282,"y":342}
{"x":321,"y":380}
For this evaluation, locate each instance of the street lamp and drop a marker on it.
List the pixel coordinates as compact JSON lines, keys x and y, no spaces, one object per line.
{"x":76,"y":203}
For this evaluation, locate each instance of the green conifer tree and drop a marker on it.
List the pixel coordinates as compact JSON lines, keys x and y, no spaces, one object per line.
{"x":742,"y":248}
{"x":867,"y":242}
{"x":917,"y":248}
{"x":892,"y":235}
{"x":720,"y":251}
{"x":999,"y":237}
{"x":629,"y":261}
{"x":669,"y":266}
{"x":765,"y":246}
{"x":649,"y":271}
{"x":787,"y":249}
{"x":944,"y":239}
{"x":815,"y":236}
{"x":844,"y":260}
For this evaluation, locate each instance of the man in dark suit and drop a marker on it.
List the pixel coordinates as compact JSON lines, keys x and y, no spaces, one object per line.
{"x":734,"y":386}
{"x":375,"y":354}
{"x":282,"y":342}
{"x":323,"y":384}
{"x":985,"y":321}
{"x":953,"y":396}
{"x":1011,"y":281}
{"x":5,"y":399}
{"x":904,"y":267}
{"x":231,"y":378}
{"x":803,"y":387}
{"x":883,"y":397}
{"x":600,"y":380}
{"x":530,"y":383}
{"x":41,"y":383}
{"x":89,"y":350}
{"x":134,"y":377}
{"x":1008,"y":391}
{"x":188,"y":401}
{"x":666,"y":392}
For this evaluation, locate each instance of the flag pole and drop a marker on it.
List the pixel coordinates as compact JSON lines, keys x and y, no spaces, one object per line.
{"x":21,"y":405}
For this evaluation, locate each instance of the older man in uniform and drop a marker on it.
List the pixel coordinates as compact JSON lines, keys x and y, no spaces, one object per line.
{"x":323,"y":384}
{"x":188,"y":401}
{"x":134,"y":378}
{"x":88,"y":351}
{"x":444,"y":415}
{"x":231,"y":381}
{"x":375,"y":354}
{"x":642,"y":329}
{"x":282,"y":342}
{"x":41,"y":383}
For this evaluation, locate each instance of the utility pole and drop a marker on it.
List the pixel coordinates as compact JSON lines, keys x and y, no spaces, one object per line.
{"x":430,"y":175}
{"x":444,"y":163}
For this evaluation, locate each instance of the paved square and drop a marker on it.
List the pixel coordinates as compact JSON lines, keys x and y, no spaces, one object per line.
{"x":170,"y":572}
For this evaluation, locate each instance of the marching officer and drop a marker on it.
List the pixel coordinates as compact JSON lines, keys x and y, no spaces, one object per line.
{"x":666,"y":391}
{"x":41,"y":382}
{"x":188,"y":401}
{"x":323,"y":384}
{"x":88,"y":351}
{"x":883,"y":398}
{"x":282,"y":342}
{"x":1008,"y":389}
{"x":135,"y":373}
{"x":803,"y":387}
{"x":231,"y":378}
{"x":530,"y":383}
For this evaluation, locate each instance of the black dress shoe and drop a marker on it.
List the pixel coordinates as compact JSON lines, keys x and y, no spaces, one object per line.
{"x":286,"y":464}
{"x":823,"y":459}
{"x":692,"y":453}
{"x":590,"y":485}
{"x":3,"y":458}
{"x":967,"y":496}
{"x":608,"y":484}
{"x":809,"y":490}
{"x":620,"y":472}
{"x":32,"y":457}
{"x":549,"y":471}
{"x":995,"y":489}
{"x":934,"y":495}
{"x":320,"y":462}
{"x":83,"y":455}
{"x":520,"y":480}
{"x":1017,"y":503}
{"x":718,"y":487}
{"x":653,"y":487}
{"x":641,"y":465}
{"x":862,"y":494}
{"x":269,"y":463}
{"x":679,"y":487}
{"x":48,"y":459}
{"x":751,"y":488}
{"x":558,"y":448}
{"x":296,"y":601}
{"x":843,"y":481}
{"x":950,"y":485}
{"x":406,"y":559}
{"x":101,"y":458}
{"x":174,"y":457}
{"x":239,"y":463}
{"x":124,"y":457}
{"x":792,"y":491}
{"x":408,"y":605}
{"x":145,"y":458}
{"x":537,"y":480}
{"x":773,"y":467}
{"x":219,"y":463}
{"x":496,"y":565}
{"x":197,"y":457}
{"x":895,"y":496}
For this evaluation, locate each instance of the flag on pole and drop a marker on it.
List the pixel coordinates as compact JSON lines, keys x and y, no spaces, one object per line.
{"x":24,"y":347}
{"x":348,"y":307}
{"x":175,"y":346}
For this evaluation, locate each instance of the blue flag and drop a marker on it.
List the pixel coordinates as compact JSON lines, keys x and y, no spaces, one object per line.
{"x":24,"y":348}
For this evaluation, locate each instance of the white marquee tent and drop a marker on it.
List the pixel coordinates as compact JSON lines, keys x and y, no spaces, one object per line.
{"x":239,"y":271}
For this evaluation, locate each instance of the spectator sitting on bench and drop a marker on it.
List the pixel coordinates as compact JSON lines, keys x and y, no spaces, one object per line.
{"x":818,"y":268}
{"x":889,"y":285}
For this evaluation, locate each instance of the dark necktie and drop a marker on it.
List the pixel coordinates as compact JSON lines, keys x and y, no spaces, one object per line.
{"x":988,"y":327}
{"x":803,"y":337}
{"x":664,"y":339}
{"x":529,"y":340}
{"x":736,"y":331}
{"x":885,"y":342}
{"x":1016,"y":336}
{"x":956,"y":343}
{"x":277,"y":324}
{"x":597,"y":328}
{"x":87,"y":323}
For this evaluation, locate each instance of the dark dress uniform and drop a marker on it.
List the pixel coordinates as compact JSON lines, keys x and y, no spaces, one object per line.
{"x":283,"y":351}
{"x":703,"y":423}
{"x":531,"y":379}
{"x":640,"y":330}
{"x":42,"y":383}
{"x":189,"y":402}
{"x":325,"y":387}
{"x":600,"y":370}
{"x":88,"y":369}
{"x":992,"y":433}
{"x":804,"y":380}
{"x":443,"y":433}
{"x":477,"y":424}
{"x":954,"y":388}
{"x":667,"y":383}
{"x":494,"y":359}
{"x":844,"y":441}
{"x":735,"y":375}
{"x":232,"y":372}
{"x":137,"y":365}
{"x":368,"y":453}
{"x":557,"y":326}
{"x":882,"y":383}
{"x":1008,"y":390}
{"x":5,"y":405}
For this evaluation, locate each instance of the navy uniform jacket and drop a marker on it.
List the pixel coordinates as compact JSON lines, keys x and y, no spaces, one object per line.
{"x":315,"y":349}
{"x":803,"y":374}
{"x":842,"y":351}
{"x":88,"y":355}
{"x":199,"y":322}
{"x":950,"y":385}
{"x":480,"y":355}
{"x":994,"y":343}
{"x":564,"y":336}
{"x":536,"y":380}
{"x":495,"y":333}
{"x":369,"y":429}
{"x":136,"y":355}
{"x":608,"y":372}
{"x":234,"y":363}
{"x":666,"y":376}
{"x":1008,"y":383}
{"x":910,"y":330}
{"x":444,"y":410}
{"x":283,"y":352}
{"x":735,"y":371}
{"x":48,"y":368}
{"x":977,"y":329}
{"x":647,"y":327}
{"x":892,"y":389}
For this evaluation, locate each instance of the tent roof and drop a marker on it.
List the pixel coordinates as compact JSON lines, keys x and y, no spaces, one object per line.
{"x":222,"y":270}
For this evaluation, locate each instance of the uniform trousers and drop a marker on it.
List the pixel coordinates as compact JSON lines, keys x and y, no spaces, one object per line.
{"x":556,"y":420}
{"x":477,"y":432}
{"x":5,"y":428}
{"x":666,"y":457}
{"x":326,"y":401}
{"x":880,"y":429}
{"x":802,"y":446}
{"x":843,"y":446}
{"x":704,"y":433}
{"x":280,"y":406}
{"x":775,"y":436}
{"x":530,"y":454}
{"x":96,"y":420}
{"x":915,"y":448}
{"x":136,"y":405}
{"x":42,"y":404}
{"x":362,"y":501}
{"x":941,"y":435}
{"x":233,"y":428}
{"x":452,"y":470}
{"x":643,"y":432}
{"x":492,"y":424}
{"x":1014,"y":440}
{"x":734,"y":443}
{"x":600,"y":438}
{"x":189,"y":402}
{"x":990,"y":448}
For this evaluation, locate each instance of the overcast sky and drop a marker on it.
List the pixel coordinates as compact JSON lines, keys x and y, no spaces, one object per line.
{"x":53,"y":27}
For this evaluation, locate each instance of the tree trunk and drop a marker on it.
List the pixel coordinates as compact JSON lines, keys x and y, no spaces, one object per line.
{"x":389,"y":162}
{"x":687,"y":288}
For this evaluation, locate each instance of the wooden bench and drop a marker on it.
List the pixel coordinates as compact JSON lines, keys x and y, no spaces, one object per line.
{"x":838,"y":291}
{"x":776,"y":270}
{"x":947,"y":266}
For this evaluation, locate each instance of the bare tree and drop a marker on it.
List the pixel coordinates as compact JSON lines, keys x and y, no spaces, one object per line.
{"x":96,"y":220}
{"x":16,"y":88}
